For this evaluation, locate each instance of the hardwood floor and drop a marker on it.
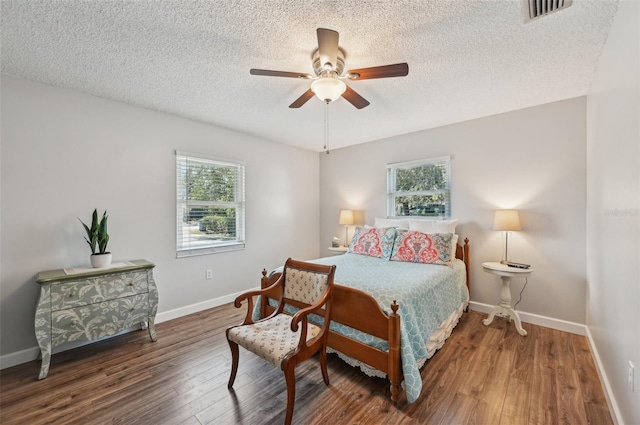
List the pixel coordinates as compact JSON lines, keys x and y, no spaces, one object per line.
{"x":483,"y":375}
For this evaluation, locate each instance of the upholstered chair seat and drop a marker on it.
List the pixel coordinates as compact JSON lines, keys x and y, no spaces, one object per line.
{"x":271,"y":339}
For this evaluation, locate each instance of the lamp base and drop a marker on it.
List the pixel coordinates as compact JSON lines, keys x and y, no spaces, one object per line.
{"x":505,"y":258}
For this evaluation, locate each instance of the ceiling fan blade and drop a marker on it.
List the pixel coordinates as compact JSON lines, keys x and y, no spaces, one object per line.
{"x":302,"y":99}
{"x":269,"y":73}
{"x":328,"y":47}
{"x":354,"y":98}
{"x":385,"y":71}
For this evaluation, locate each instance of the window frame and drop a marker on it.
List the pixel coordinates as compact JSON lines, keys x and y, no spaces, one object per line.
{"x":182,"y":203}
{"x":393,"y":193}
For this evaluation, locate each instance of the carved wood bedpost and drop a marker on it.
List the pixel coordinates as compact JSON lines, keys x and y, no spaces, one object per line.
{"x":264,"y":282}
{"x":395,"y":362}
{"x":465,"y":250}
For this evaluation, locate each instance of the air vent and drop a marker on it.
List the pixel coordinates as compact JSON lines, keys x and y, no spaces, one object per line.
{"x":534,"y":9}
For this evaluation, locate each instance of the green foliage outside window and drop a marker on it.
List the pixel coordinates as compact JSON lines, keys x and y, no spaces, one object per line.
{"x":206,"y":184}
{"x":211,"y":183}
{"x":210,"y":203}
{"x":425,"y":177}
{"x":419,"y":189}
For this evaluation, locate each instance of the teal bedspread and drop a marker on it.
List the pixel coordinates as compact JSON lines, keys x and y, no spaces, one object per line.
{"x":426,"y":293}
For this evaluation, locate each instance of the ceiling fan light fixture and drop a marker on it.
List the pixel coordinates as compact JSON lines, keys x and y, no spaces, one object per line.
{"x":328,"y":89}
{"x":328,"y":66}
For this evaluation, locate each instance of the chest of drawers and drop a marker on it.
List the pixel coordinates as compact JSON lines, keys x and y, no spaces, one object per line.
{"x":93,"y":304}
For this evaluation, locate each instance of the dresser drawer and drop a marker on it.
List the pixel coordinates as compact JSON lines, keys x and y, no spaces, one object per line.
{"x":98,"y":320}
{"x":97,"y":289}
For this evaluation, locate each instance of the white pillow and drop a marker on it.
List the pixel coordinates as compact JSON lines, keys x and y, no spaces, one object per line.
{"x":400,"y":223}
{"x":433,"y":226}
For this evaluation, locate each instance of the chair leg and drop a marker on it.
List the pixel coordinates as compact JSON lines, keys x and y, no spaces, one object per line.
{"x":290,"y":378}
{"x":235,"y":355}
{"x":323,"y":365}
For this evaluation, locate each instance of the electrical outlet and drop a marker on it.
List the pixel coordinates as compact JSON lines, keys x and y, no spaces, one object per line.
{"x":209,"y":274}
{"x":631,"y":377}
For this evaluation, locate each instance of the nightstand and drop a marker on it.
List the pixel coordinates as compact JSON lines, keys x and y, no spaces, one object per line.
{"x":337,"y":250}
{"x":504,"y":309}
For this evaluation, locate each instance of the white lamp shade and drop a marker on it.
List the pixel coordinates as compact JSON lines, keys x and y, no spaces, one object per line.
{"x":346,"y":217}
{"x":506,"y":220}
{"x":328,"y":88}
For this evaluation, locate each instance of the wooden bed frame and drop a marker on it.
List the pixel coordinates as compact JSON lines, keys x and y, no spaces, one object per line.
{"x":358,"y":310}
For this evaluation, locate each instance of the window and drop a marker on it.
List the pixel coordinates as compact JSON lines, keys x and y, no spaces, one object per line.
{"x":210,"y":205}
{"x":419,"y":188}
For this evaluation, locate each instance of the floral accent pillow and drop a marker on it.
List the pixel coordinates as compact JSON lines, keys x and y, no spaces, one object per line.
{"x":416,"y":247}
{"x":373,"y":241}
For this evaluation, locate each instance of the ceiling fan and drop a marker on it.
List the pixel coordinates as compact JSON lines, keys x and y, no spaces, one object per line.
{"x":328,"y":65}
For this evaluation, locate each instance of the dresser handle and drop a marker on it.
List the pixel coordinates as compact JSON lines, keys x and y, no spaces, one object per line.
{"x":71,"y":295}
{"x":74,"y":323}
{"x":130,"y":284}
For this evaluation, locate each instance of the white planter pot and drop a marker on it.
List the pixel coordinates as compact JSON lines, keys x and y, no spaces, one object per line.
{"x":101,"y":260}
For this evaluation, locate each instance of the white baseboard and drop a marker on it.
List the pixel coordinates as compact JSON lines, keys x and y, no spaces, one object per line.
{"x":195,"y":308}
{"x":19,"y":357}
{"x":30,"y":354}
{"x":534,"y":319}
{"x":608,"y":393}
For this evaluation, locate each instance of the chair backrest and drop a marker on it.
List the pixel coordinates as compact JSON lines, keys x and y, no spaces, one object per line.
{"x":306,"y":282}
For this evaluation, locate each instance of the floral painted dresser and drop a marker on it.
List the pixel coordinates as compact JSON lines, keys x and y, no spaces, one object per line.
{"x":89,"y":304}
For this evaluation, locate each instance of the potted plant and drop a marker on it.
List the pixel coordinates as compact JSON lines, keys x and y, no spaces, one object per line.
{"x":97,"y":236}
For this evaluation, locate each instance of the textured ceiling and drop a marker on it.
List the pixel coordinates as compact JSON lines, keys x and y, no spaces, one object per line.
{"x":467,"y":59}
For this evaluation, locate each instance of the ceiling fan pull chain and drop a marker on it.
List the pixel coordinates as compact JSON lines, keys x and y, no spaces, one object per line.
{"x":326,"y":126}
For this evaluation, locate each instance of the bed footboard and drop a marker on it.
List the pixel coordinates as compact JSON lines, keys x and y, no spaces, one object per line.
{"x":358,"y":310}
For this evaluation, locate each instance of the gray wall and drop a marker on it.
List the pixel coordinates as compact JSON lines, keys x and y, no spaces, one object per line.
{"x":613,"y":212}
{"x":532,"y":159}
{"x":65,"y":153}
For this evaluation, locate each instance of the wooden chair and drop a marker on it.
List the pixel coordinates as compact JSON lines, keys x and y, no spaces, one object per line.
{"x":280,"y":338}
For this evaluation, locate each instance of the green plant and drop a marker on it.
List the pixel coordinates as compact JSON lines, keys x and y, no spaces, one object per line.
{"x":97,"y":234}
{"x":216,"y":224}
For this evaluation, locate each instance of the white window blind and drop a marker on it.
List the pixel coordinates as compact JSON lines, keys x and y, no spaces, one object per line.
{"x":419,"y":188}
{"x":210,"y":205}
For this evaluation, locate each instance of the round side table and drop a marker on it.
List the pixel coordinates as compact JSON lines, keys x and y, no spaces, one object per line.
{"x":504,"y":309}
{"x":337,"y":250}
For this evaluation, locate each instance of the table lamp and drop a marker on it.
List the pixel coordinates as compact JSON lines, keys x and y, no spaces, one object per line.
{"x":507,"y":221}
{"x":346,"y":218}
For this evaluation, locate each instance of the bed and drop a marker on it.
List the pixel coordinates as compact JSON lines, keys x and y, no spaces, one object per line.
{"x":378,"y":322}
